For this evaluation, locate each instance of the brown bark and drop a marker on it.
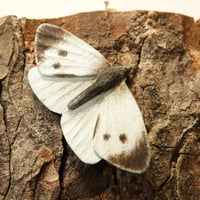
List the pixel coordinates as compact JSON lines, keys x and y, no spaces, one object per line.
{"x":164,"y":49}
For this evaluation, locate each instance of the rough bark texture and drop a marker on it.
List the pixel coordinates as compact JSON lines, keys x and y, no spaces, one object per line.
{"x":164,"y":50}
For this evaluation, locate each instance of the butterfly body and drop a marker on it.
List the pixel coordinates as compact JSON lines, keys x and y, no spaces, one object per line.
{"x":100,"y":117}
{"x":106,"y":79}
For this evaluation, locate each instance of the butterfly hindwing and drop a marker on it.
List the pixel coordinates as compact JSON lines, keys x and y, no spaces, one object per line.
{"x":59,"y":53}
{"x":79,"y":127}
{"x":120,"y":136}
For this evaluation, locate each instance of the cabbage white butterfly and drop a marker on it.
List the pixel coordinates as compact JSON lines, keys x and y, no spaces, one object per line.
{"x":100,"y":117}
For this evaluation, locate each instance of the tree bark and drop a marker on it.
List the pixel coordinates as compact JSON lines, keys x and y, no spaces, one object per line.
{"x":164,"y":50}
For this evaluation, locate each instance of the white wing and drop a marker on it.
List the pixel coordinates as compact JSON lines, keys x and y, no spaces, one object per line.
{"x":79,"y":127}
{"x":120,"y":136}
{"x":59,"y":52}
{"x":55,"y":93}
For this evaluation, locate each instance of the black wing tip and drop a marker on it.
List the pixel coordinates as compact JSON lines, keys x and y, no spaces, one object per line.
{"x":135,"y":161}
{"x":47,"y":36}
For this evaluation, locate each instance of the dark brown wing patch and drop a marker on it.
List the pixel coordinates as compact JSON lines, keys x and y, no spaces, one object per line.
{"x":135,"y":161}
{"x":56,"y":65}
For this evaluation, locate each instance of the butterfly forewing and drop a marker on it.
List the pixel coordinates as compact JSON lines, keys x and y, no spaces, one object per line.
{"x":56,"y":92}
{"x":59,"y":53}
{"x":120,"y":136}
{"x":78,"y":129}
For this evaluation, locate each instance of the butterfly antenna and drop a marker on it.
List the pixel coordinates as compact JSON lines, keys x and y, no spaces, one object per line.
{"x":106,"y":3}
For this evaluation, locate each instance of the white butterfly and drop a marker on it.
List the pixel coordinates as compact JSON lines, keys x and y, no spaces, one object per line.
{"x":100,"y":117}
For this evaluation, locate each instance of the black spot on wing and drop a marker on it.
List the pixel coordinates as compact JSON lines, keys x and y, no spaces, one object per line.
{"x":123,"y":138}
{"x":106,"y":136}
{"x":62,"y":53}
{"x":56,"y":65}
